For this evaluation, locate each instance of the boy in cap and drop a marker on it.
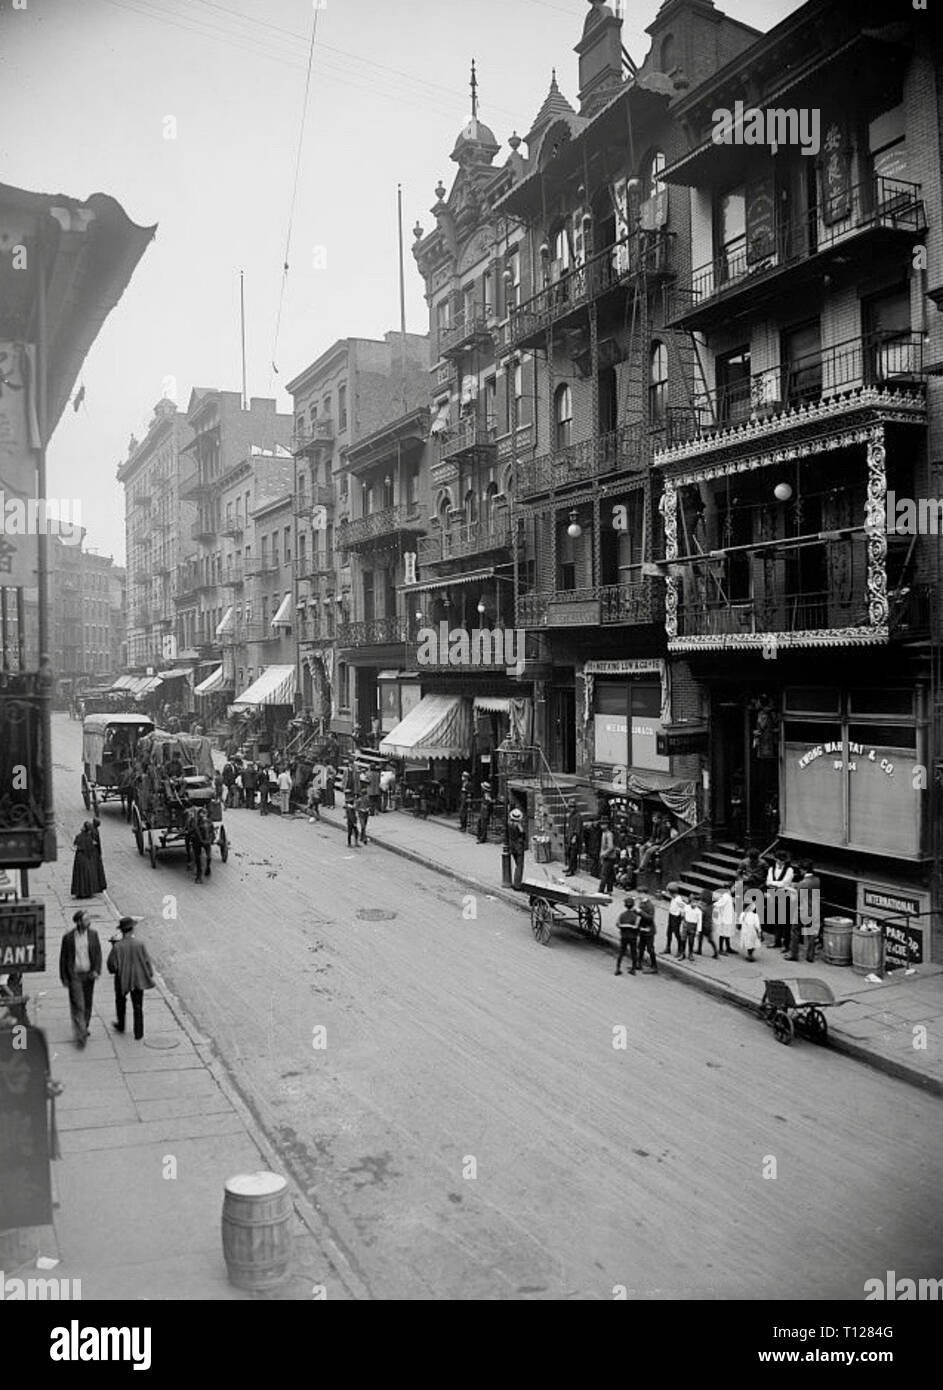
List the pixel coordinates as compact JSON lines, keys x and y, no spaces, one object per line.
{"x":646,"y":933}
{"x":628,"y":924}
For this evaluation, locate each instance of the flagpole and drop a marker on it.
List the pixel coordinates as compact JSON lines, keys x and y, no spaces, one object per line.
{"x":242,"y":327}
{"x":402,"y":296}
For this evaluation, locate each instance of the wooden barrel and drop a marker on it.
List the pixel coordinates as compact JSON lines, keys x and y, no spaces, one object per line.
{"x":256,"y":1230}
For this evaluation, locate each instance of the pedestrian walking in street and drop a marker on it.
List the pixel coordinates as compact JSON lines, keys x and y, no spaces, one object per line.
{"x":264,"y":789}
{"x":464,"y":801}
{"x":228,"y":775}
{"x":706,"y":927}
{"x":485,"y":811}
{"x":330,"y":788}
{"x":676,"y":907}
{"x":723,"y":915}
{"x":628,"y":924}
{"x":750,"y":937}
{"x":574,"y":835}
{"x":97,"y":853}
{"x":80,"y":964}
{"x":250,"y":784}
{"x":131,"y":966}
{"x":363,"y":811}
{"x":284,"y":791}
{"x":608,"y":858}
{"x":374,"y":790}
{"x":517,"y":841}
{"x":85,"y":864}
{"x":646,"y":933}
{"x":350,"y":816}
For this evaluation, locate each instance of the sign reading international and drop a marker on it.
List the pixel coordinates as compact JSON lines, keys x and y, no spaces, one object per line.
{"x":22,"y":936}
{"x":25,"y":1188}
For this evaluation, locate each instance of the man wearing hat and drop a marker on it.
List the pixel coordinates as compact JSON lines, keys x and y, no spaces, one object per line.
{"x":628,"y":924}
{"x":131,"y":966}
{"x":484,"y":812}
{"x":574,"y":832}
{"x":80,"y":964}
{"x":646,"y":933}
{"x":517,"y":840}
{"x":464,"y":801}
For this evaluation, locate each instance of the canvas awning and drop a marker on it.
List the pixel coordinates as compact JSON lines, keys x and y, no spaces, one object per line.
{"x":226,"y":624}
{"x":440,"y":726}
{"x":124,"y":683}
{"x":275,"y":686}
{"x":497,"y":704}
{"x":176,"y":675}
{"x":453,"y":582}
{"x":215,"y":681}
{"x":283,"y":617}
{"x":147,"y":686}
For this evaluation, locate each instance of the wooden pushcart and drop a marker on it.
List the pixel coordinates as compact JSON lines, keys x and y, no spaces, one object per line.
{"x":558,"y":902}
{"x":791,"y":1006}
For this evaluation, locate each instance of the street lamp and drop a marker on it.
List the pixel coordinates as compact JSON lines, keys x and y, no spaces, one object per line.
{"x":574,"y":529}
{"x":506,"y":846}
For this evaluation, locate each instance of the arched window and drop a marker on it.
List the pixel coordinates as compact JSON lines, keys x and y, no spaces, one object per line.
{"x":563,"y":416}
{"x":658,"y":385}
{"x":491,"y":506}
{"x":471,"y":505}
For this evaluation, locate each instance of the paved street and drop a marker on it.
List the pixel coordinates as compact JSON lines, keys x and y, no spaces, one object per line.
{"x":472,"y":1127}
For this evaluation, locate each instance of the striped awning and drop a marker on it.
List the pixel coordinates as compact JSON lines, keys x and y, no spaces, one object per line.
{"x":453,"y":582}
{"x":440,"y":726}
{"x":215,"y":681}
{"x":283,"y":617}
{"x":147,"y":687}
{"x":124,"y":683}
{"x":496,"y":704}
{"x":275,"y":686}
{"x":178,"y":674}
{"x":226,"y":625}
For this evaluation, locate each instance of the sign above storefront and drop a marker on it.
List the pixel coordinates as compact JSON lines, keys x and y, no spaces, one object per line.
{"x":681,"y":738}
{"x":23,"y":936}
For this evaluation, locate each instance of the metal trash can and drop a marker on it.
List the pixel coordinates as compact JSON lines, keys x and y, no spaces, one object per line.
{"x":836,"y":938}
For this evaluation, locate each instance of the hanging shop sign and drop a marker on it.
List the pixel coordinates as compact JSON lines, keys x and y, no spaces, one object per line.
{"x":681,"y":739}
{"x":23,"y":772}
{"x":905,"y":942}
{"x":22,"y":936}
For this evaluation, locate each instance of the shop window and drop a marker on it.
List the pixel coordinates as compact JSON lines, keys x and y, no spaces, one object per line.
{"x":881,"y":702}
{"x":802,"y":699}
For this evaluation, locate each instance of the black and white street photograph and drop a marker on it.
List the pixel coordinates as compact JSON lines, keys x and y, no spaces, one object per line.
{"x":471,"y":667}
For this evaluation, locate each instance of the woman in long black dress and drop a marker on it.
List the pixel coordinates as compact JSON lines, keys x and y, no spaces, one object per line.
{"x":99,"y":862}
{"x":85,"y":864}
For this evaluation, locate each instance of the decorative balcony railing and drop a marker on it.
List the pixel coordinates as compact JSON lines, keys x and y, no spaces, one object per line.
{"x":620,"y":451}
{"x":318,"y":432}
{"x":387,"y":522}
{"x":878,"y":204}
{"x":831,"y":375}
{"x":471,"y":434}
{"x":639,"y":602}
{"x":469,"y":538}
{"x":232,"y":527}
{"x":257,"y":565}
{"x":470,"y":326}
{"x":373,"y":632}
{"x":642,"y":253}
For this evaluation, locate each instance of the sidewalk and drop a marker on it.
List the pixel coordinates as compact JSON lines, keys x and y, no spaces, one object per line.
{"x":878,"y":1023}
{"x":131,"y":1113}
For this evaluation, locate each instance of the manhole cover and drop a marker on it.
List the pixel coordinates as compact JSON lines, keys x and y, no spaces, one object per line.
{"x":162,"y":1044}
{"x":374,"y":914}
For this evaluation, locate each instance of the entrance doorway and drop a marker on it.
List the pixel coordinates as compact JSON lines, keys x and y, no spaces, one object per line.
{"x":563,"y":729}
{"x":745,"y":767}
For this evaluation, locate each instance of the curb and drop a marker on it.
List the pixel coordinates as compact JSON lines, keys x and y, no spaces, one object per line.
{"x":846,"y":1046}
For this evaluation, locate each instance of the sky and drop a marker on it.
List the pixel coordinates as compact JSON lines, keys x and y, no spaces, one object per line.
{"x":189,"y":113}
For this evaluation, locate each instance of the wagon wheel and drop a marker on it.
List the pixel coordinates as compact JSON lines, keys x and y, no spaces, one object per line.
{"x":223,"y":844}
{"x":589,"y":919}
{"x":541,"y":919}
{"x":137,"y":829}
{"x":85,"y":793}
{"x":151,"y":848}
{"x":783,"y":1027}
{"x":816,"y":1025}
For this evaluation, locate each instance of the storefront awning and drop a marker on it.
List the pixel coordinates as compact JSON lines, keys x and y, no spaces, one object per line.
{"x":496,"y":704}
{"x":452,"y":582}
{"x":147,"y":687}
{"x":226,"y":625}
{"x":215,"y":681}
{"x":124,"y":683}
{"x":440,"y":726}
{"x":176,"y":675}
{"x":275,"y":686}
{"x":283,"y":616}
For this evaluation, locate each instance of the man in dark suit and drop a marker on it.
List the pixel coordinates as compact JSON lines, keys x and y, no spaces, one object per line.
{"x":80,"y":964}
{"x":574,"y":835}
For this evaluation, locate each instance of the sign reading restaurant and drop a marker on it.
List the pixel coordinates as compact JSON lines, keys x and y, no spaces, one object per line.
{"x":23,"y":936}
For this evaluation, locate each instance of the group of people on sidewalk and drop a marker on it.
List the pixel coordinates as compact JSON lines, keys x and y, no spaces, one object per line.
{"x":80,"y":965}
{"x":240,"y":782}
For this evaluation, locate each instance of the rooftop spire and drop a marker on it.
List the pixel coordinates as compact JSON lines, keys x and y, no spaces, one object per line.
{"x":474,"y":90}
